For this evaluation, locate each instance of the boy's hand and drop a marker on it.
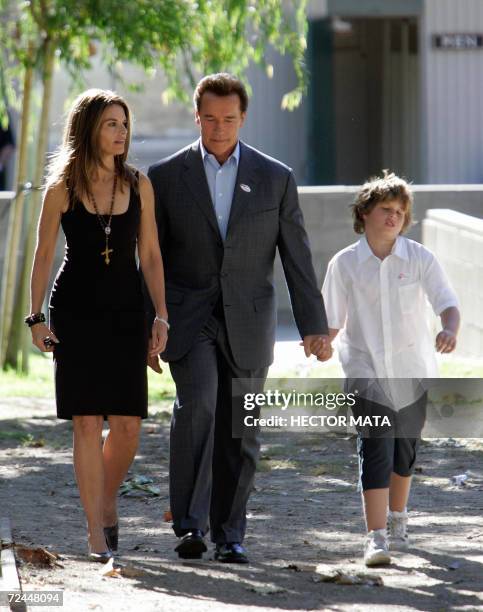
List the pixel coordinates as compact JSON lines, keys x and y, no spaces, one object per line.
{"x":445,"y":341}
{"x":318,"y":345}
{"x":326,"y":355}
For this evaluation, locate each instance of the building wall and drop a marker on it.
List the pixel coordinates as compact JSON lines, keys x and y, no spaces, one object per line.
{"x":449,"y":112}
{"x":457,"y":241}
{"x":376,"y":95}
{"x":452,"y":104}
{"x":446,"y":122}
{"x":277,"y":132}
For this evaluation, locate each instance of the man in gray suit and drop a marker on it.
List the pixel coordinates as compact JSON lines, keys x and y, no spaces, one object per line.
{"x":223,"y":208}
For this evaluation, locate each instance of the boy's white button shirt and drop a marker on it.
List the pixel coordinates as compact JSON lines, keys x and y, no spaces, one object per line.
{"x":381,"y":308}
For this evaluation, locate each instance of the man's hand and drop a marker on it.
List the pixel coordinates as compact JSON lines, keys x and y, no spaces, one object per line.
{"x":154,"y":364}
{"x":445,"y":341}
{"x":318,"y":345}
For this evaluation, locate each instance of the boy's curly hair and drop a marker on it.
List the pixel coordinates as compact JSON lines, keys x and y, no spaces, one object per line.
{"x":381,"y":189}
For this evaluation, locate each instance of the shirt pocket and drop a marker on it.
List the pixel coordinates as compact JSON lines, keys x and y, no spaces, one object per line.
{"x":409,"y":297}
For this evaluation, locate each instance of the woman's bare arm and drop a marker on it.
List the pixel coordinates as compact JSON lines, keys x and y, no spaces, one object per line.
{"x":54,"y":204}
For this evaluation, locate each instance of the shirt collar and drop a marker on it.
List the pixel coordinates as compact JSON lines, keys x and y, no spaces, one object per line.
{"x":364,"y":251}
{"x":401,"y":248}
{"x":206,"y":154}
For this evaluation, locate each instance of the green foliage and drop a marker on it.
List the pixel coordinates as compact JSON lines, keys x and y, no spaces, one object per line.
{"x":183,"y":38}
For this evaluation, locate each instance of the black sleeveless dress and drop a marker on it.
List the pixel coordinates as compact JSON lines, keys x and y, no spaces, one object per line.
{"x":97,"y":313}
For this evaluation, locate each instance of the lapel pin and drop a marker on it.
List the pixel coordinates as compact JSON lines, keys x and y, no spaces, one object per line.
{"x":245,"y":187}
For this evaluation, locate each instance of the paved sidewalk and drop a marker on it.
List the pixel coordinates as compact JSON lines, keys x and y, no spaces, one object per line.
{"x":304,"y":521}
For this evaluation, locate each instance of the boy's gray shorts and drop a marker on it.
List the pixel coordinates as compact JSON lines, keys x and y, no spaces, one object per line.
{"x":392,"y":448}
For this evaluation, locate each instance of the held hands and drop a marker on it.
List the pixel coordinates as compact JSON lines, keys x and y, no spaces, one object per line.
{"x":317,"y":345}
{"x":41,"y":335}
{"x":445,"y":341}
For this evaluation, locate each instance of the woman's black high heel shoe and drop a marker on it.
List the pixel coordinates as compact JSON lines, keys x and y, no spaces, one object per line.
{"x":112,"y":536}
{"x":100,"y":557}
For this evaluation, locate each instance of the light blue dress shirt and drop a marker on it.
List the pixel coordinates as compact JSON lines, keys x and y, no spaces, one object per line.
{"x":221,"y":182}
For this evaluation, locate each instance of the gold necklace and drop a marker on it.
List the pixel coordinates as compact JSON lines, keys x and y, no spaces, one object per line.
{"x":106,"y":227}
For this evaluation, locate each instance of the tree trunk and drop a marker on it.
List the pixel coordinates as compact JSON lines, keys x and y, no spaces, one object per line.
{"x":20,"y":339}
{"x":15,"y":222}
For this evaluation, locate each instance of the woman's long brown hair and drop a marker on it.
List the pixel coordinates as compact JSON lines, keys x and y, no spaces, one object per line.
{"x":77,"y":157}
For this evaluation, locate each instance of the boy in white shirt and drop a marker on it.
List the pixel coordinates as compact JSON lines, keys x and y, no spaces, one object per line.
{"x":375,"y":292}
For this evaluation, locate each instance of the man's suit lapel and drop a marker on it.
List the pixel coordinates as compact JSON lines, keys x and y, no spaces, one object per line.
{"x":248,"y":176}
{"x":194,"y":177}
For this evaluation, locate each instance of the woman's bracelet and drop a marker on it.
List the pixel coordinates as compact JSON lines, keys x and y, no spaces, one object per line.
{"x":34,"y":318}
{"x":161,"y":320}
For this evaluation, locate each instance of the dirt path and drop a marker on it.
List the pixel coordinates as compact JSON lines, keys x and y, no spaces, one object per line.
{"x":305,"y":511}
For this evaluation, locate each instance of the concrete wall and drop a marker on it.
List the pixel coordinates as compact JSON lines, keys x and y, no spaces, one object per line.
{"x":329,"y":223}
{"x":457,"y":241}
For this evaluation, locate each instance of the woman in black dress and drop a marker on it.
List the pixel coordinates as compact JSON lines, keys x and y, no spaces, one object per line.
{"x":97,"y":323}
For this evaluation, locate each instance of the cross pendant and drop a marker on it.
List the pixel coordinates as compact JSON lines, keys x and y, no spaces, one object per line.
{"x":105,"y":253}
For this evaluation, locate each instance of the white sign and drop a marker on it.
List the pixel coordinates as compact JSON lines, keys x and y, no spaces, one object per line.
{"x":458,"y":41}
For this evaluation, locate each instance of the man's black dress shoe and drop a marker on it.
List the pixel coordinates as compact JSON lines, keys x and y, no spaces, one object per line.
{"x":231,"y":552}
{"x":191,"y":545}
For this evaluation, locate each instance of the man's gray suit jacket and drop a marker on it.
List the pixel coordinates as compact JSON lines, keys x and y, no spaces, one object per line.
{"x":265,"y":215}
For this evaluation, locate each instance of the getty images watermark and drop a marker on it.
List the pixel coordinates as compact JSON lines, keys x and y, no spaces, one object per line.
{"x":445,"y":407}
{"x":284,"y":401}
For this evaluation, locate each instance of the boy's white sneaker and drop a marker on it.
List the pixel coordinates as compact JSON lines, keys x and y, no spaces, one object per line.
{"x":397,"y":527}
{"x":376,"y":551}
